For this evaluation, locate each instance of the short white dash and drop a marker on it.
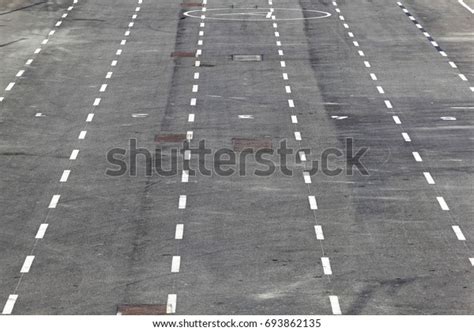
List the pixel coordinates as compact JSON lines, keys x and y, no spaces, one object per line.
{"x":367,"y":64}
{"x":463,"y":77}
{"x":130,"y":24}
{"x":417,"y":157}
{"x":312,"y":202}
{"x":287,"y":89}
{"x":202,"y":24}
{"x":380,"y":89}
{"x":406,"y":137}
{"x":319,"y":232}
{"x":198,"y":52}
{"x":175,"y":263}
{"x":294,"y":119}
{"x":200,"y":42}
{"x":103,"y":87}
{"x":179,"y":231}
{"x":298,"y":136}
{"x":41,"y":231}
{"x":356,"y":44}
{"x":187,"y":155}
{"x":54,"y":201}
{"x":283,"y":64}
{"x":442,"y":203}
{"x":443,"y":53}
{"x":302,"y":156}
{"x":361,"y":53}
{"x":37,"y":50}
{"x":20,"y":73}
{"x":123,"y":42}
{"x":326,"y":266}
{"x":201,"y":33}
{"x":285,"y":76}
{"x":109,"y":75}
{"x":196,"y":75}
{"x":28,"y":62}
{"x":346,"y":25}
{"x":197,"y":63}
{"x":396,"y":119}
{"x":8,"y":308}
{"x":336,"y":309}
{"x":373,"y":76}
{"x":350,"y":34}
{"x":58,"y":23}
{"x":10,"y":86}
{"x":193,"y":102}
{"x":458,"y":232}
{"x":191,"y":118}
{"x":306,"y":177}
{"x":114,"y":63}
{"x":195,"y":88}
{"x":278,"y":43}
{"x":118,"y":52}
{"x":471,"y":259}
{"x":134,"y":16}
{"x":27,"y":264}
{"x":96,"y":101}
{"x":277,"y":34}
{"x":388,"y":104}
{"x":64,"y":15}
{"x":452,"y":64}
{"x":51,"y":32}
{"x":65,"y":176}
{"x":341,"y":18}
{"x":171,"y":304}
{"x":291,"y":103}
{"x":182,"y":202}
{"x":280,"y":52}
{"x":434,"y":43}
{"x":185,"y":176}
{"x":189,"y":135}
{"x":419,"y":26}
{"x":74,"y":154}
{"x":429,"y":178}
{"x":127,"y":33}
{"x":82,"y":135}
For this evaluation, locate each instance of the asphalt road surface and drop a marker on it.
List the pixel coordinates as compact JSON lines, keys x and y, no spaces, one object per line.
{"x":389,"y":235}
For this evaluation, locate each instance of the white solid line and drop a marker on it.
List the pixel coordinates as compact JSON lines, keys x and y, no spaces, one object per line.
{"x":74,"y":154}
{"x":182,"y":202}
{"x":417,"y":157}
{"x":380,"y":89}
{"x":396,"y":119}
{"x":429,"y":178}
{"x":462,"y":3}
{"x":287,"y":89}
{"x":326,"y":266}
{"x":171,"y":304}
{"x":336,"y":309}
{"x":319,"y":232}
{"x":406,"y":137}
{"x":298,"y":136}
{"x":175,"y":263}
{"x":367,"y":64}
{"x":373,"y":76}
{"x":388,"y":104}
{"x":285,"y":76}
{"x":20,"y":73}
{"x":82,"y":135}
{"x":442,"y":203}
{"x":294,"y":119}
{"x":10,"y":86}
{"x":195,"y":88}
{"x":103,"y":87}
{"x":191,"y":118}
{"x":90,"y":117}
{"x":312,"y":202}
{"x":458,"y":232}
{"x":27,"y":264}
{"x":65,"y":176}
{"x":185,"y":176}
{"x":291,"y":103}
{"x":96,"y":102}
{"x":8,"y":308}
{"x":179,"y":231}
{"x":109,"y":75}
{"x":307,"y":177}
{"x":41,"y":231}
{"x":54,"y":201}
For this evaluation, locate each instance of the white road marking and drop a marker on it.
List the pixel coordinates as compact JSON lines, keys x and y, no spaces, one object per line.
{"x":51,"y":32}
{"x":342,"y":18}
{"x":118,"y":52}
{"x":27,"y":264}
{"x":367,"y":64}
{"x":338,"y":10}
{"x":103,"y":87}
{"x":198,"y":52}
{"x":74,"y":154}
{"x":193,"y":102}
{"x":434,"y":43}
{"x":8,"y":308}
{"x":201,"y":33}
{"x":127,"y":33}
{"x":427,"y":35}
{"x":294,"y":119}
{"x":195,"y":88}
{"x":462,"y":3}
{"x":20,"y":73}
{"x":458,"y":232}
{"x":350,"y":34}
{"x":302,"y":156}
{"x":114,"y":63}
{"x":442,"y":203}
{"x":287,"y":89}
{"x":171,"y":304}
{"x":58,"y":23}
{"x":380,"y":89}
{"x":175,"y":263}
{"x":130,"y":24}
{"x":41,"y":231}
{"x":191,"y":118}
{"x":442,"y":53}
{"x":318,"y":229}
{"x":90,"y":117}
{"x":373,"y":76}
{"x":123,"y":42}
{"x":448,"y":118}
{"x":96,"y":102}
{"x":182,"y":202}
{"x":65,"y":176}
{"x":37,"y":50}
{"x":417,"y":157}
{"x":246,"y":117}
{"x":280,"y":52}
{"x":196,"y":75}
{"x":346,"y":26}
{"x":185,"y":176}
{"x":54,"y":201}
{"x":187,"y":155}
{"x":137,"y":9}
{"x":277,"y":34}
{"x":388,"y":104}
{"x":298,"y":136}
{"x":419,"y":26}
{"x":336,"y":309}
{"x":396,"y":119}
{"x":452,"y":64}
{"x":10,"y":86}
{"x":202,"y":24}
{"x":275,"y":25}
{"x":200,"y":42}
{"x":429,"y":178}
{"x":179,"y":231}
{"x":189,"y":135}
{"x":312,"y":202}
{"x":306,"y":177}
{"x":326,"y":266}
{"x":278,"y":43}
{"x":109,"y":75}
{"x":283,"y":64}
{"x":406,"y":137}
{"x":471,"y":259}
{"x":82,"y":135}
{"x":197,"y":63}
{"x":291,"y":103}
{"x":28,"y":62}
{"x":356,"y":44}
{"x":285,"y":76}
{"x":361,"y":53}
{"x":463,"y":77}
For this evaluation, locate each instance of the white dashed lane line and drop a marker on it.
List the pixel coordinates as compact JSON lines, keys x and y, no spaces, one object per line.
{"x":175,"y":264}
{"x":326,"y":266}
{"x":179,"y":232}
{"x":27,"y":264}
{"x":336,"y":309}
{"x":8,"y":308}
{"x":74,"y":154}
{"x":41,"y":231}
{"x":442,"y":203}
{"x":458,"y":232}
{"x":171,"y":304}
{"x":318,"y":230}
{"x":54,"y":201}
{"x":65,"y":176}
{"x":182,"y":202}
